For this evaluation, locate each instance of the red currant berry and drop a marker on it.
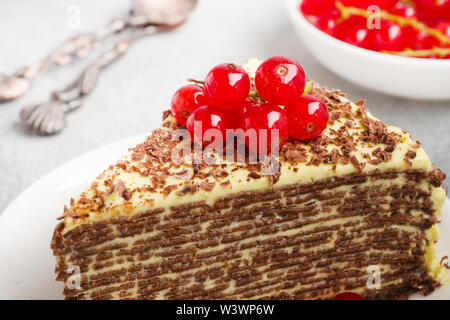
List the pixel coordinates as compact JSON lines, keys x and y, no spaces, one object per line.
{"x":446,"y":9}
{"x":307,"y":117}
{"x":389,"y":37}
{"x":348,"y":296}
{"x":355,"y":3}
{"x":265,"y":118}
{"x":314,"y":20}
{"x":327,"y":22}
{"x":429,"y":10}
{"x":247,"y":105}
{"x":354,"y":31}
{"x":187,"y":99}
{"x":404,"y":10}
{"x":309,"y":8}
{"x":239,"y":114}
{"x":444,"y":27}
{"x":433,"y":10}
{"x":316,"y":7}
{"x":410,"y":37}
{"x":425,"y":41}
{"x":280,"y":80}
{"x":208,"y":117}
{"x":227,"y":85}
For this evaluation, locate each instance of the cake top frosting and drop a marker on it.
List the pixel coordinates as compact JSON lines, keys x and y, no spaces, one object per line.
{"x":148,"y":178}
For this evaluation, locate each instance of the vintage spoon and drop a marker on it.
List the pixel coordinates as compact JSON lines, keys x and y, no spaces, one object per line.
{"x":155,"y":16}
{"x":143,"y":12}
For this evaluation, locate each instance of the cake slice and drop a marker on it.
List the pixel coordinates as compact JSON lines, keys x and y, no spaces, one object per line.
{"x":354,"y":209}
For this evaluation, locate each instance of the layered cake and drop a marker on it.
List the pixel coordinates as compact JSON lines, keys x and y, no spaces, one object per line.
{"x":359,"y":199}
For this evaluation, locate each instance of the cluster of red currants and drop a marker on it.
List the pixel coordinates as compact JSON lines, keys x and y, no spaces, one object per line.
{"x":223,"y":103}
{"x":390,"y":35}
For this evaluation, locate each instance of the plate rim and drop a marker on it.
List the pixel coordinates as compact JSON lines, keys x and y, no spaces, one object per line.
{"x":63,"y":167}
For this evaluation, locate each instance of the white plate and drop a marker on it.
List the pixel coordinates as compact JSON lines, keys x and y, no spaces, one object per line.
{"x":400,"y":76}
{"x":26,"y":226}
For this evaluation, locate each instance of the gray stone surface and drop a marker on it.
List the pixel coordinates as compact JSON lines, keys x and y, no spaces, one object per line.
{"x":132,"y":93}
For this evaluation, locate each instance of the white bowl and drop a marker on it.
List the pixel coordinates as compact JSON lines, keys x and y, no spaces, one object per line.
{"x":400,"y":76}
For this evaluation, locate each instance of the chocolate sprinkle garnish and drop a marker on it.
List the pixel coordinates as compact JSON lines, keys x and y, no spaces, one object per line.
{"x":411,"y":154}
{"x":64,"y":213}
{"x":254,"y":175}
{"x":437,"y":176}
{"x":85,"y":200}
{"x":122,"y":190}
{"x":207,"y":185}
{"x":187,"y":189}
{"x":356,"y":163}
{"x":110,"y":191}
{"x":122,"y":165}
{"x":443,"y":263}
{"x":137,"y":156}
{"x":334,"y":115}
{"x":167,"y":190}
{"x":166,"y":114}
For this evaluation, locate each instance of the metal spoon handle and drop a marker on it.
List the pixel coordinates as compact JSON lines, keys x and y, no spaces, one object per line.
{"x":77,"y":47}
{"x":48,"y":117}
{"x":86,"y":82}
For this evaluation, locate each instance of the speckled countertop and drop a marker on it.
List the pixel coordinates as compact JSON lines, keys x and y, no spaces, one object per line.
{"x":132,"y":93}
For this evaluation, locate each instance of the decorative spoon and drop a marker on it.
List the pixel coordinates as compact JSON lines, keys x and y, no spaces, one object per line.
{"x":154,"y":16}
{"x":143,"y":13}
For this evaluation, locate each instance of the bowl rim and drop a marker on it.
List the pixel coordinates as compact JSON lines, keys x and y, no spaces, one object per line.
{"x":293,"y":6}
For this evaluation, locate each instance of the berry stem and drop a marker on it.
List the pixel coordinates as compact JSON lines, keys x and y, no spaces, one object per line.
{"x":308,"y":87}
{"x":195,"y":81}
{"x":346,"y":12}
{"x":442,"y":52}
